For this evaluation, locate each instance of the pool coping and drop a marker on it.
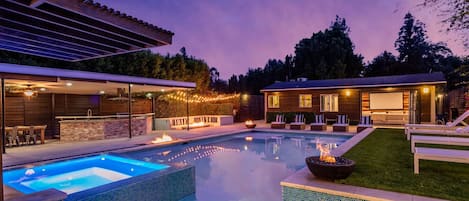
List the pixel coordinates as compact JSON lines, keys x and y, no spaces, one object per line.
{"x":303,"y":179}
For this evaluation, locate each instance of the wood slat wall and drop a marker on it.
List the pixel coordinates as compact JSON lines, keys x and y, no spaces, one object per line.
{"x":139,"y":106}
{"x":37,"y":110}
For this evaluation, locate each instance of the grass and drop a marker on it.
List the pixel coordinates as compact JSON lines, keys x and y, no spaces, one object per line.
{"x":384,"y":161}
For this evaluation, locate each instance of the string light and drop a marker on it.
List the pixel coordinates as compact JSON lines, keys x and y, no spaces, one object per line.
{"x":182,"y":96}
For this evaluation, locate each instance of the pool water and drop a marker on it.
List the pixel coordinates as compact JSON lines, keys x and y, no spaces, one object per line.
{"x":77,"y":174}
{"x":246,"y":167}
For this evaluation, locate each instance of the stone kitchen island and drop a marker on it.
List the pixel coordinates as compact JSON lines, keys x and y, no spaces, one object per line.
{"x":83,"y":128}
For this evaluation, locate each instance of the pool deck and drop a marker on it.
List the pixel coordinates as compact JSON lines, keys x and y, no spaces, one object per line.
{"x":54,"y":149}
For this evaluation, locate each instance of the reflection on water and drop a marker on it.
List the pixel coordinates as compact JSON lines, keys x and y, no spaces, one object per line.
{"x":244,"y":167}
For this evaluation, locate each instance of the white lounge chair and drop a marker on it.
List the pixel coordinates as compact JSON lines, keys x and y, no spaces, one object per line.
{"x":342,"y":124}
{"x":435,"y":154}
{"x":460,"y":131}
{"x":457,"y":141}
{"x":365,"y":122}
{"x":449,"y":126}
{"x":319,"y":123}
{"x":299,"y":123}
{"x":279,"y":122}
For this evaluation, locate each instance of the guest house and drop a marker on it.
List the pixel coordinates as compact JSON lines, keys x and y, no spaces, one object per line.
{"x":395,"y":100}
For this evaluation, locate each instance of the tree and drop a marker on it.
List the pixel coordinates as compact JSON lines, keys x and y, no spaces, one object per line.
{"x":415,"y":51}
{"x":455,"y":14}
{"x":179,"y":67}
{"x":384,"y":64}
{"x":328,"y":54}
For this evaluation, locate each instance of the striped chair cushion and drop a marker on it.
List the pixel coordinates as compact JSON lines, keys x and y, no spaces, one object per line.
{"x":365,"y":120}
{"x":319,"y":118}
{"x":279,"y":118}
{"x":342,"y":119}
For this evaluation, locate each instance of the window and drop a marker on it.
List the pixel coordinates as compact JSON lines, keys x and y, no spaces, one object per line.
{"x":306,"y":100}
{"x":329,"y":103}
{"x":273,"y":101}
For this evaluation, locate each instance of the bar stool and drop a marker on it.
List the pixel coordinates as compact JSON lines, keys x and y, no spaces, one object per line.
{"x":13,"y":137}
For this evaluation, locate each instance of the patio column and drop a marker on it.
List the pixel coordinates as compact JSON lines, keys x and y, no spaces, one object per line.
{"x":130,"y":110}
{"x":3,"y":117}
{"x":3,"y":137}
{"x":187,"y":108}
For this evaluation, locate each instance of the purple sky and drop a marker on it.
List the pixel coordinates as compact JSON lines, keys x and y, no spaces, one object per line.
{"x":234,"y":35}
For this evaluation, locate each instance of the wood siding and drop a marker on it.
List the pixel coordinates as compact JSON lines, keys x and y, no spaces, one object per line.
{"x":39,"y":110}
{"x":351,"y":105}
{"x":289,"y":102}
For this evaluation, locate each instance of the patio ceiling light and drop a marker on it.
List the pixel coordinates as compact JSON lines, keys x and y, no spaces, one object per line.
{"x":68,"y":84}
{"x":28,"y":92}
{"x":42,"y":89}
{"x":102,"y":92}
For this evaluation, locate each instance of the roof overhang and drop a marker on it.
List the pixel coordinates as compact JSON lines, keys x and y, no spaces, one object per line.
{"x":73,"y":30}
{"x":355,"y":86}
{"x":55,"y":80}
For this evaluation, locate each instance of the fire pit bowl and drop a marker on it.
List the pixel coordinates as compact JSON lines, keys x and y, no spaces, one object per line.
{"x":341,"y":169}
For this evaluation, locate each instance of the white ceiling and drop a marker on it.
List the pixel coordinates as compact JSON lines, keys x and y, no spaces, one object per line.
{"x":80,"y":87}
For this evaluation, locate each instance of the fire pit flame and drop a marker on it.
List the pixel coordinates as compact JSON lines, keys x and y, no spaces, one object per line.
{"x":164,"y":138}
{"x":325,"y":153}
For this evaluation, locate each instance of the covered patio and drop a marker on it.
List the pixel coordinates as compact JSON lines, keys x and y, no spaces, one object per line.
{"x":44,"y":103}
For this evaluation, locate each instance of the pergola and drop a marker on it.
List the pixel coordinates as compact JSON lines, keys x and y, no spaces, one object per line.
{"x":74,"y":30}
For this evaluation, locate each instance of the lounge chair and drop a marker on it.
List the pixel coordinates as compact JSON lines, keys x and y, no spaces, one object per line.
{"x":279,"y":122}
{"x":449,"y":126}
{"x":456,"y":141}
{"x":365,"y":122}
{"x":447,"y":155}
{"x":460,"y":131}
{"x":319,"y":123}
{"x":299,"y":123}
{"x":342,"y":124}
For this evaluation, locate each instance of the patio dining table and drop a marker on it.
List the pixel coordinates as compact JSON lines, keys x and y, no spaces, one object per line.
{"x":41,"y":128}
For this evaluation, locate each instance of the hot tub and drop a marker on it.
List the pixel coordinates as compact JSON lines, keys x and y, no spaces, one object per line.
{"x":78,"y":174}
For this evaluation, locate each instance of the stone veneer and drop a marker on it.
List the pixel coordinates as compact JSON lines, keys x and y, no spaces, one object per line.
{"x":294,"y":194}
{"x":100,"y":129}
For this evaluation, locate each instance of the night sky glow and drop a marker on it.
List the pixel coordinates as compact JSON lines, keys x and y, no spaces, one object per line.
{"x":234,"y":35}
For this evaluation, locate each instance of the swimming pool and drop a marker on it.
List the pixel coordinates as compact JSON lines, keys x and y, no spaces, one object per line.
{"x":247,"y":166}
{"x":76,"y":175}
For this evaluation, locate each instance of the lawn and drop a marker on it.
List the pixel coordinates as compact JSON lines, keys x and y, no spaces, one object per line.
{"x":384,"y":161}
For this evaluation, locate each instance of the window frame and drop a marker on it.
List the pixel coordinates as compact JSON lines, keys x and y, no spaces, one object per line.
{"x":321,"y":108}
{"x":268,"y":101}
{"x":303,"y":106}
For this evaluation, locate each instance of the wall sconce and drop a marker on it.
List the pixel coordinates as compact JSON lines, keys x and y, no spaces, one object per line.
{"x":426,"y":90}
{"x":347,"y":92}
{"x":245,"y":97}
{"x":440,"y":96}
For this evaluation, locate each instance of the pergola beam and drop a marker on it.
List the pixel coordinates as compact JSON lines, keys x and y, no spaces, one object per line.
{"x":47,"y":46}
{"x":51,"y":41}
{"x":70,"y":23}
{"x":65,"y":30}
{"x":78,"y":29}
